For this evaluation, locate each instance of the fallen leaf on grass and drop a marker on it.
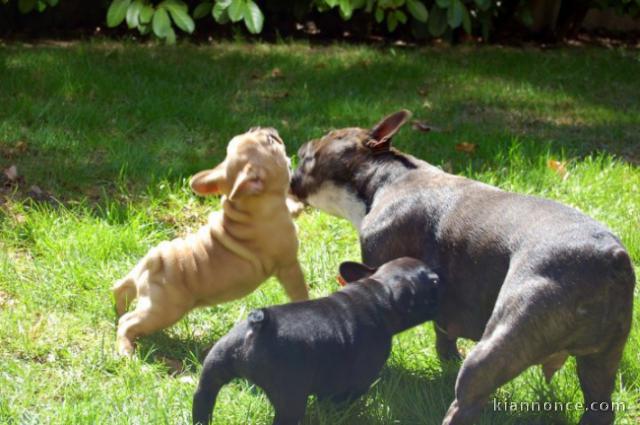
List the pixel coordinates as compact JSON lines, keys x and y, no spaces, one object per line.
{"x":466,"y":147}
{"x":423,"y":126}
{"x":559,"y":167}
{"x":175,"y":366}
{"x":92,"y":192}
{"x":21,"y":146}
{"x":168,"y":219}
{"x":276,"y":96}
{"x":6,"y":300}
{"x":39,"y":195}
{"x":11,"y":173}
{"x":187,"y":379}
{"x":276,"y":73}
{"x":36,"y":190}
{"x":10,"y":152}
{"x":20,"y":218}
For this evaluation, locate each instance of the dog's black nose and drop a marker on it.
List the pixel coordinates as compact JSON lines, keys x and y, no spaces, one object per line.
{"x":295,"y":184}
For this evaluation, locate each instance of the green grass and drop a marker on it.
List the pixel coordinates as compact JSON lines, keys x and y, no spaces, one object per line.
{"x":114,"y":130}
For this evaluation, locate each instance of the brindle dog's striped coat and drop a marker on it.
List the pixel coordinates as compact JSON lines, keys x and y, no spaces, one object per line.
{"x":532,"y":280}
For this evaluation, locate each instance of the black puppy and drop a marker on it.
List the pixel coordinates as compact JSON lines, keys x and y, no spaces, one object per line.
{"x":333,"y":347}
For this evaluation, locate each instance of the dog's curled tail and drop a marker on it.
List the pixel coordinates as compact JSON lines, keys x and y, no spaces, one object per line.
{"x":258,"y":318}
{"x":216,"y":372}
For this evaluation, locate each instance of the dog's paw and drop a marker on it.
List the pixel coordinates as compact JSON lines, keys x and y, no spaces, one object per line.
{"x":126,"y":348}
{"x":295,"y":207}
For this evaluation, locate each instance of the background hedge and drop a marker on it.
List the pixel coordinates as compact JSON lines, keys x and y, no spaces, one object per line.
{"x":415,"y":19}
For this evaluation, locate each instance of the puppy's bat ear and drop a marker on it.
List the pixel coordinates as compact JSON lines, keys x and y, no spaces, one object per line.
{"x":350,"y":271}
{"x":208,"y":182}
{"x":381,"y":134}
{"x":250,"y":181}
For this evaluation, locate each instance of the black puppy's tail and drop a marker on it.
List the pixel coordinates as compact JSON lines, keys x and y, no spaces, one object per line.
{"x":258,"y":318}
{"x":217,"y":372}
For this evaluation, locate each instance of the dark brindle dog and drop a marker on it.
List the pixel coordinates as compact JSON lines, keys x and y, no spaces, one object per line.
{"x":533,"y":280}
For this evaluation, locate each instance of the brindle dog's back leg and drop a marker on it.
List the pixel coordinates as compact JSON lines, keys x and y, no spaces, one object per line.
{"x":597,"y":373}
{"x":515,"y":337}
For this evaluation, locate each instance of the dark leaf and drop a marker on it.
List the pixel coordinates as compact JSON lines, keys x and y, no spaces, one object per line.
{"x":437,"y":21}
{"x":26,"y":6}
{"x":236,"y":10}
{"x":180,"y":16}
{"x":117,"y":12}
{"x":253,"y":17}
{"x":202,"y":10}
{"x":418,"y":10}
{"x":161,"y":23}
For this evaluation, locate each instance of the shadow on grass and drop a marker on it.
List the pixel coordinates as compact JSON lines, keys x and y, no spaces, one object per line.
{"x":92,"y":113}
{"x":405,"y":397}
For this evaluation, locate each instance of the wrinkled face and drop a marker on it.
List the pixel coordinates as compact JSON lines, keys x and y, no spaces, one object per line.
{"x":414,"y":289}
{"x":256,"y":164}
{"x":325,"y":175}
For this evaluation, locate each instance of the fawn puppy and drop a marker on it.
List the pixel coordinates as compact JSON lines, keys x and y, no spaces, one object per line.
{"x":251,"y":239}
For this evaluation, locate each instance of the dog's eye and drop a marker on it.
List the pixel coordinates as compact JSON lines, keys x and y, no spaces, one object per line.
{"x":273,"y":139}
{"x":308,"y":163}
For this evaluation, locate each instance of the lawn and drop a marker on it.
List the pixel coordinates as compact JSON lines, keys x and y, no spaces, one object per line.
{"x":111,"y":132}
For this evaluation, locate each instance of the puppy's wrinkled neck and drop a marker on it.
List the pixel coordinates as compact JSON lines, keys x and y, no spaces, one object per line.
{"x":233,"y":210}
{"x":253,"y":210}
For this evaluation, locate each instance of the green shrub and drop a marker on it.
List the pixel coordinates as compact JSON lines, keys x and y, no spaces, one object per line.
{"x":419,"y":18}
{"x":160,"y":18}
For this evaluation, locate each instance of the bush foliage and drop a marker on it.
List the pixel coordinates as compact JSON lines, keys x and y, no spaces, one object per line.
{"x":417,"y":18}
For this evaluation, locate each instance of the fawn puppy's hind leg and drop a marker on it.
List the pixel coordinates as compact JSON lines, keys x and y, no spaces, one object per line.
{"x":144,"y":321}
{"x":124,"y":292}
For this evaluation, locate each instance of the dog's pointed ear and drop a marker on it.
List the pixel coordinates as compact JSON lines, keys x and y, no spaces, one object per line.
{"x":250,"y":181}
{"x":350,"y":271}
{"x":381,"y":134}
{"x":208,"y":182}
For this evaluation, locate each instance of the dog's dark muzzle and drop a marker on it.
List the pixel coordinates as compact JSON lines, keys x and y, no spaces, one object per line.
{"x":296,"y":188}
